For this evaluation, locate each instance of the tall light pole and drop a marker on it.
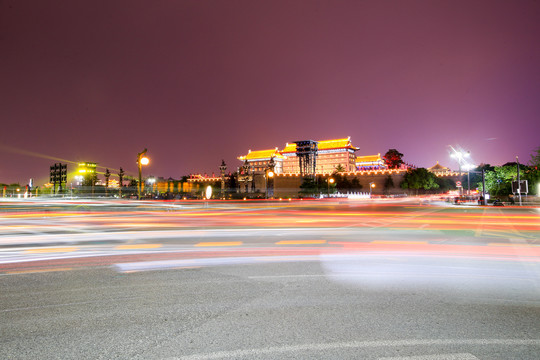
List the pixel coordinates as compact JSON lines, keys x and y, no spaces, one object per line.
{"x":141,"y":160}
{"x":269,"y":174}
{"x":222,"y":169}
{"x":469,"y":167}
{"x":461,"y":156}
{"x":371,"y":186}
{"x":329,"y":181}
{"x":518,"y":181}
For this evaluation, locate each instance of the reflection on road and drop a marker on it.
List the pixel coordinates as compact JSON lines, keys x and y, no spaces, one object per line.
{"x":270,"y":279}
{"x":135,"y":236}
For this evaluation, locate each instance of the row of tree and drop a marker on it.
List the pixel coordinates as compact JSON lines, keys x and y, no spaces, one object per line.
{"x":498,"y":179}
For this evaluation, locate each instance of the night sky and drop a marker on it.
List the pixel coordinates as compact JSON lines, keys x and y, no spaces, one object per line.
{"x":200,"y":81}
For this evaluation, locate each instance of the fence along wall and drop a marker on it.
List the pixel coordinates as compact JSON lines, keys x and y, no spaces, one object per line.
{"x":288,"y":185}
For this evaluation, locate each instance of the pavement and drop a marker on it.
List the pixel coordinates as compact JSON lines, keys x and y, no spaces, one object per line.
{"x":254,"y":281}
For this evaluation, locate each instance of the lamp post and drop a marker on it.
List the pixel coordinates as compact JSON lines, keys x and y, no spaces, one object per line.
{"x":468,"y":167}
{"x":269,"y":174}
{"x":141,"y":160}
{"x":222,"y":169}
{"x":460,"y":157}
{"x":371,"y":186}
{"x":518,"y":181}
{"x":329,"y":181}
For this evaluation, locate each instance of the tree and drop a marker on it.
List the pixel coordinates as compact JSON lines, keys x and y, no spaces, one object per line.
{"x":535,"y":158}
{"x":419,"y":179}
{"x":133,"y":186}
{"x":309,"y":187}
{"x":355,"y":184}
{"x":393,"y":158}
{"x":121,"y":181}
{"x":388,"y":183}
{"x":339,"y":169}
{"x":231,"y":183}
{"x":499,"y":179}
{"x":121,"y":177}
{"x":107,"y":176}
{"x":445,"y":184}
{"x":183,"y":181}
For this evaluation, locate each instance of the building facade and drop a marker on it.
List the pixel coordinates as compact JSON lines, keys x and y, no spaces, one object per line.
{"x":330,"y":155}
{"x":438,"y":169}
{"x":370,"y":162}
{"x":259,"y":160}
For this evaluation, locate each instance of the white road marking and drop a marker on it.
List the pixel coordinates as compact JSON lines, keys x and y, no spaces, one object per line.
{"x":251,"y":353}
{"x":463,"y":356}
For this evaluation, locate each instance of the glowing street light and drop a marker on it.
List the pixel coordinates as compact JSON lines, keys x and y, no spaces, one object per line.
{"x":141,"y":160}
{"x":371,"y":186}
{"x":329,"y":181}
{"x":460,"y":156}
{"x":468,"y":167}
{"x":269,"y":174}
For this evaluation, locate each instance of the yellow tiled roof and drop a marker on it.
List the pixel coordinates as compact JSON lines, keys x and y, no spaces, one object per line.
{"x":438,"y":166}
{"x":289,"y":148}
{"x":324,"y":145}
{"x":261,"y":154}
{"x":368,"y":158}
{"x":336,"y":144}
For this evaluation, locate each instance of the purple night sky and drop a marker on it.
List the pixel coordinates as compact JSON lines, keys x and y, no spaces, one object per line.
{"x":200,"y":81}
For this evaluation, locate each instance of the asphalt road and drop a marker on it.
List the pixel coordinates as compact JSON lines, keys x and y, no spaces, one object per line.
{"x":254,"y":281}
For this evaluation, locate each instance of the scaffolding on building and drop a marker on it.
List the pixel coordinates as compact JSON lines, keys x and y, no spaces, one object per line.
{"x":306,"y":151}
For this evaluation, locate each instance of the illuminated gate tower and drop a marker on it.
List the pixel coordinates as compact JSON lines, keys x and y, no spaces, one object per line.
{"x":330,"y":155}
{"x":260,"y":159}
{"x":306,"y":152}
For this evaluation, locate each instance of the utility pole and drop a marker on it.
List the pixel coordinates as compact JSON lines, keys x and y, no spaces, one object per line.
{"x":141,"y":160}
{"x":518,"y":180}
{"x":107,"y":176}
{"x":222,"y":169}
{"x":121,"y":181}
{"x":484,"y":201}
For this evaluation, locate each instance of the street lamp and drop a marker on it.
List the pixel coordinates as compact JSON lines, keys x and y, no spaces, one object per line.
{"x":460,"y":156}
{"x":469,"y":167}
{"x":371,"y":186}
{"x":269,"y":174}
{"x":329,"y":181}
{"x":141,"y":160}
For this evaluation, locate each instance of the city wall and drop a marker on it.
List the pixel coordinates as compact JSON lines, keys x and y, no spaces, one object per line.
{"x":288,"y":185}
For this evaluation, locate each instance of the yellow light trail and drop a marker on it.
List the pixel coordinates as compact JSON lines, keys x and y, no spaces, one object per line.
{"x":15,"y":272}
{"x":300,"y":242}
{"x":138,"y":246}
{"x":50,"y":250}
{"x":230,"y":243}
{"x":399,"y":242}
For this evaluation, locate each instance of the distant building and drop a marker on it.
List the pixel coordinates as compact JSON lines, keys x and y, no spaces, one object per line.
{"x":330,"y":154}
{"x":259,"y":160}
{"x":86,"y":173}
{"x":439,"y":169}
{"x":370,"y":162}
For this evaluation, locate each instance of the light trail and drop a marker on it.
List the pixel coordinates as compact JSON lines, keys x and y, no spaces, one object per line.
{"x":111,"y":228}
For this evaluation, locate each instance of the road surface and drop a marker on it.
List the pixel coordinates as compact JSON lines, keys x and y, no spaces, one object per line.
{"x":268,"y":280}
